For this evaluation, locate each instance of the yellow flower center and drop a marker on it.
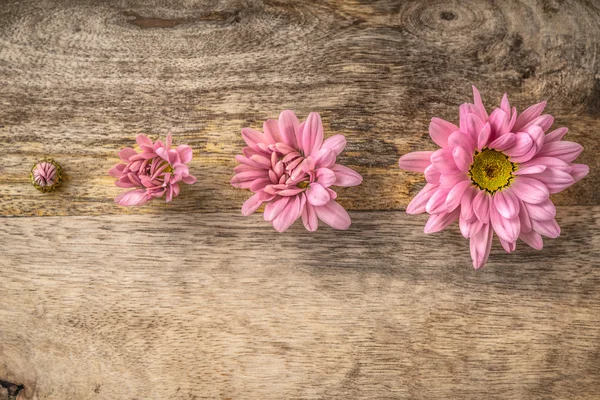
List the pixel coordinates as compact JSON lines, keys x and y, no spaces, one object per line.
{"x":302,"y":185}
{"x":491,"y":170}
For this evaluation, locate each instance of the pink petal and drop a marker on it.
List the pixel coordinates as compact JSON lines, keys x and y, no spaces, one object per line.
{"x":258,"y":184}
{"x":132,"y":198}
{"x":324,"y":158}
{"x":522,"y":144}
{"x":469,"y":228}
{"x":484,"y":136}
{"x":143,"y":140}
{"x":504,"y":142}
{"x":541,"y":212}
{"x":288,"y":215}
{"x":284,"y":148}
{"x":555,"y":180}
{"x":169,"y":141}
{"x":247,"y":161}
{"x":443,"y":160}
{"x":264,"y":162}
{"x":461,"y":139}
{"x":474,"y":126}
{"x":481,"y":206}
{"x":336,"y":143}
{"x":251,"y":205}
{"x":462,"y":158}
{"x":466,"y":204}
{"x":417,"y":205}
{"x":252,"y":137}
{"x":579,"y":171}
{"x":185,"y":153}
{"x":127,"y":153}
{"x":316,"y":194}
{"x":480,"y":109}
{"x":274,"y":208}
{"x":439,"y":222}
{"x":533,"y":239}
{"x":529,"y":115}
{"x":345,"y":176}
{"x":506,"y":203}
{"x":432,"y":174}
{"x":508,"y":247}
{"x":524,"y":217}
{"x":547,"y":228}
{"x":529,"y":190}
{"x":455,"y":195}
{"x":537,"y":135}
{"x":271,"y":129}
{"x":248,"y":176}
{"x":334,"y":215}
{"x":309,"y":218}
{"x":288,"y":127}
{"x":290,"y":192}
{"x":543,"y":121}
{"x":506,"y":229}
{"x":452,"y":179}
{"x":533,"y":169}
{"x":556,"y":135}
{"x":312,"y":135}
{"x":116,"y":171}
{"x":437,"y":202}
{"x":440,"y":130}
{"x":416,"y":161}
{"x":499,"y":121}
{"x":504,"y":104}
{"x":480,"y":245}
{"x":549,"y":162}
{"x":326,"y":176}
{"x":566,"y":151}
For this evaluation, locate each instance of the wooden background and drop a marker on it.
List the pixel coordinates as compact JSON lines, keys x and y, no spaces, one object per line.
{"x":190,"y":300}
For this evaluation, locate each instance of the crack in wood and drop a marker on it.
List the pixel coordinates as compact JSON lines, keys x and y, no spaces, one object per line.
{"x":13,"y":389}
{"x":150,"y":22}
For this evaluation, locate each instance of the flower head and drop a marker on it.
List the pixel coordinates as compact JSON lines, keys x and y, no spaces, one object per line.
{"x":156,"y":170}
{"x":46,"y":175}
{"x":494,"y":173}
{"x":292,"y":169}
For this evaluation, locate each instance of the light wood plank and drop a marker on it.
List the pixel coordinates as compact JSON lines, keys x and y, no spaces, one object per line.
{"x":221,"y":306}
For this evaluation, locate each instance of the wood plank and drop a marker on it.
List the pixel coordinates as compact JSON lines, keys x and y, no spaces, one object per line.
{"x":80,"y":79}
{"x":220,"y":306}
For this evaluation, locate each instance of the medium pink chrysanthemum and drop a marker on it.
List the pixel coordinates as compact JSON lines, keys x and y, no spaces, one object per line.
{"x":156,"y":170}
{"x":291,"y":168}
{"x":495,"y":174}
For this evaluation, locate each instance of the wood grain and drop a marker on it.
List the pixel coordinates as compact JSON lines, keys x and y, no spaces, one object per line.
{"x":190,"y":300}
{"x":220,"y":306}
{"x":80,"y":79}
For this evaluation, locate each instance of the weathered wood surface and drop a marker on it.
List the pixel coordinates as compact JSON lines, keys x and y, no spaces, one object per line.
{"x":218,"y":306}
{"x":79,"y":80}
{"x":191,"y":300}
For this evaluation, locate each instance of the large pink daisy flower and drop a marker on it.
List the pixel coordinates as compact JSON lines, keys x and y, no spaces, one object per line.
{"x":292,"y":169}
{"x":495,"y":174}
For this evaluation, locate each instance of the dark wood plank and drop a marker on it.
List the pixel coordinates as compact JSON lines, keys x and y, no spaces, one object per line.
{"x":221,"y":306}
{"x":80,"y":79}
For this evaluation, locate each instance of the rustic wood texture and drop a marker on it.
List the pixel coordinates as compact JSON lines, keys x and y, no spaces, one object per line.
{"x":80,"y":79}
{"x":190,"y":300}
{"x":198,"y":306}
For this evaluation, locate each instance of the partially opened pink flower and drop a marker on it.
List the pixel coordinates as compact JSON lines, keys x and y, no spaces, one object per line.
{"x":495,"y":173}
{"x":292,"y":169}
{"x":156,"y":170}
